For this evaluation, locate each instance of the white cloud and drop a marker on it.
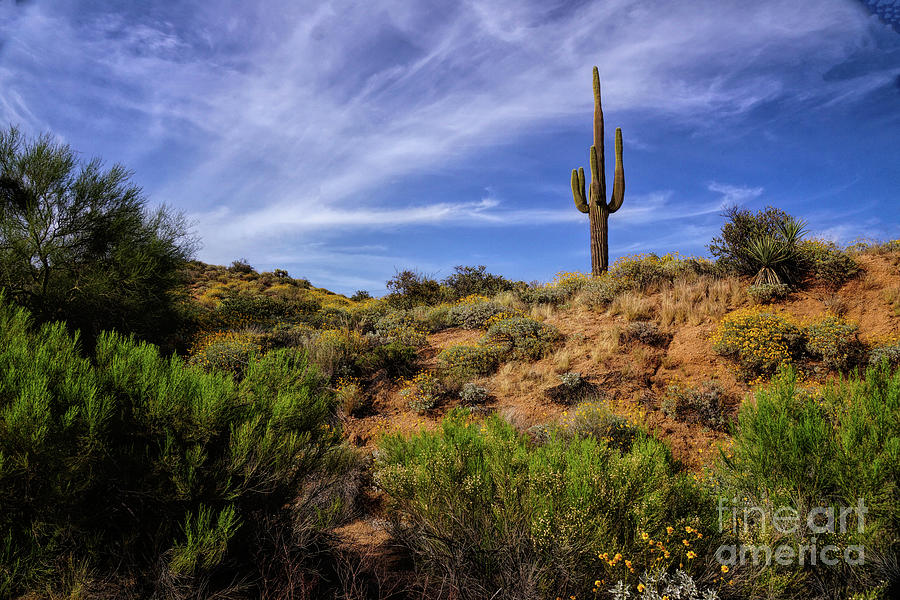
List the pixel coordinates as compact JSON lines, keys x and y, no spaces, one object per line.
{"x":734,"y":194}
{"x":292,"y":117}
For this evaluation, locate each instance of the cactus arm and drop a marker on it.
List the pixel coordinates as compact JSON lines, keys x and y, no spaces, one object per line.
{"x":618,"y":192}
{"x":578,"y":190}
{"x":596,"y":186}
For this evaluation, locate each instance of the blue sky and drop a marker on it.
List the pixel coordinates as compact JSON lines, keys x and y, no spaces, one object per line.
{"x":346,"y":140}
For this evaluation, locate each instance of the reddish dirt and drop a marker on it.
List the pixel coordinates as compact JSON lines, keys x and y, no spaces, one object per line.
{"x":634,"y":376}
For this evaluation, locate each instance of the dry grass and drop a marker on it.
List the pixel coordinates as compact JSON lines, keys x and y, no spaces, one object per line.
{"x":892,"y":297}
{"x":634,"y":306}
{"x":835,"y":305}
{"x":563,"y":359}
{"x":509,"y":300}
{"x":515,"y":378}
{"x":542,"y":312}
{"x":607,"y":344}
{"x":695,"y":301}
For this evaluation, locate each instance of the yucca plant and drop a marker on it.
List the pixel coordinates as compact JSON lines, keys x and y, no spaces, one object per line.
{"x":770,"y":254}
{"x":776,"y":256}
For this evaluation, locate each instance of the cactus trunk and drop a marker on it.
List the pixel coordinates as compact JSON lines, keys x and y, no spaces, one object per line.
{"x":594,"y":203}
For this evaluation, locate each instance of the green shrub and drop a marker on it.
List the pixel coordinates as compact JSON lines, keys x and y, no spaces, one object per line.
{"x":646,"y":332}
{"x":398,"y":326}
{"x":545,"y":294}
{"x":395,"y":358}
{"x":766,"y":293}
{"x":641,"y":271}
{"x":423,"y":392}
{"x":521,"y":338}
{"x":411,"y":288}
{"x":835,"y":342}
{"x":464,"y":362}
{"x":467,"y":280}
{"x":732,"y":248}
{"x":432,"y":318}
{"x":599,"y":292}
{"x":227,"y":351}
{"x":472,"y":394}
{"x":143,"y":470}
{"x":798,"y":449}
{"x":79,"y":243}
{"x":827,"y":262}
{"x":888,"y":353}
{"x":594,"y":419}
{"x":241,"y":310}
{"x":475,"y":314}
{"x":482,"y":508}
{"x":336,"y":351}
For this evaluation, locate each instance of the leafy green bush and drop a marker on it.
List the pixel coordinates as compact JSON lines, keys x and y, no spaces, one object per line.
{"x":398,"y":326}
{"x":888,"y":353}
{"x":423,"y":392}
{"x":472,"y":394}
{"x":835,"y":342}
{"x":432,"y":318}
{"x":640,"y":271}
{"x":593,"y":418}
{"x":467,"y":280}
{"x":545,"y":294}
{"x":521,"y":338}
{"x":79,"y":243}
{"x":827,"y":262}
{"x":411,"y":288}
{"x":464,"y":362}
{"x":395,"y":358}
{"x":227,"y":351}
{"x":149,"y":473}
{"x":336,"y":351}
{"x":742,"y":227}
{"x":474,"y":312}
{"x":482,"y":508}
{"x":766,"y":293}
{"x":800,"y":449}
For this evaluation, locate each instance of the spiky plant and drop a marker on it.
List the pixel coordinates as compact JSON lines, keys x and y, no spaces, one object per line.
{"x":594,"y":202}
{"x":770,"y":254}
{"x":776,"y":257}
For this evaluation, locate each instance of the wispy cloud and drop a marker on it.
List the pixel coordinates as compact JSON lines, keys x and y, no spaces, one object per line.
{"x":734,"y":194}
{"x":288,"y":122}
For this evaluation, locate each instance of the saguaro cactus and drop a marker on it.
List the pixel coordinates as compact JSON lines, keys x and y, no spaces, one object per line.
{"x":595,"y":205}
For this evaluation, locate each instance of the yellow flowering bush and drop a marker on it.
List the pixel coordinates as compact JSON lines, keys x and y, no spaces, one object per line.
{"x":229,"y":351}
{"x":465,"y":362}
{"x":828,"y":262}
{"x":760,"y":340}
{"x":475,"y":314}
{"x":521,"y":337}
{"x":834,"y":341}
{"x":422,"y":392}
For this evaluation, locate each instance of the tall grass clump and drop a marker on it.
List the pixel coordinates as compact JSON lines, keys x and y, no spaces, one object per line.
{"x":796,"y":450}
{"x":156,"y":478}
{"x":489,"y":513}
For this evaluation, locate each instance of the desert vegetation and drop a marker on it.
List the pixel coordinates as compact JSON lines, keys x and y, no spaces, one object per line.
{"x":174,"y":429}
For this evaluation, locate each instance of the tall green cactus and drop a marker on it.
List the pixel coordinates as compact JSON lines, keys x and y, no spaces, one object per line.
{"x":595,"y":205}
